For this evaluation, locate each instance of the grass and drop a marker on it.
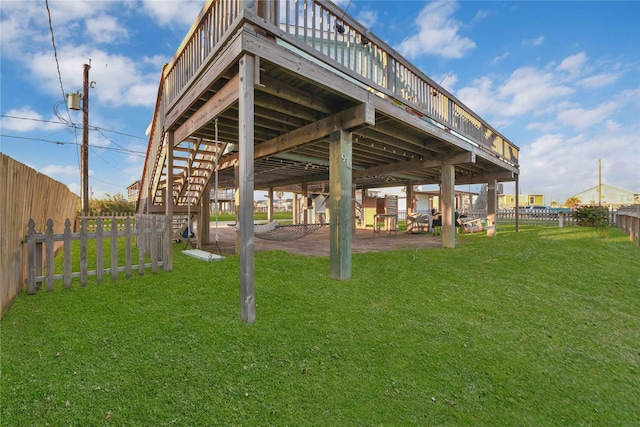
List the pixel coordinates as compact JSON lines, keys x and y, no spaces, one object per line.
{"x":541,"y":327}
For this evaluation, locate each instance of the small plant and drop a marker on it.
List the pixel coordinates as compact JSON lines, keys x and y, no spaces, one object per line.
{"x":592,"y":216}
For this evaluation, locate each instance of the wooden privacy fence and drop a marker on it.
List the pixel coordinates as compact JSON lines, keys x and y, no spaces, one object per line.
{"x":25,"y":193}
{"x":627,"y":219}
{"x":151,"y":234}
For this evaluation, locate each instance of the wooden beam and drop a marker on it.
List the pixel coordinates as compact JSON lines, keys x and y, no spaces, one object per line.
{"x":217,"y":104}
{"x":318,"y":177}
{"x":246,"y":164}
{"x":283,"y":90}
{"x":362,"y":114}
{"x":340,"y":222}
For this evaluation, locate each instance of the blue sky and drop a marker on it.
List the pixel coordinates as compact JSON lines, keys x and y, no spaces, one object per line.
{"x":559,"y":79}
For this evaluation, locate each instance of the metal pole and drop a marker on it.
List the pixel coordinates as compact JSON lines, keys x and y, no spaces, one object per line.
{"x":599,"y":182}
{"x":84,"y":151}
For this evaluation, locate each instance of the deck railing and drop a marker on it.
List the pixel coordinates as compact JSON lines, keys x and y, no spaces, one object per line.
{"x":333,"y":37}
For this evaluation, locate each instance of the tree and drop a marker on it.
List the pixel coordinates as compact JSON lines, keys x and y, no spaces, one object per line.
{"x":116,"y":204}
{"x":573,"y":202}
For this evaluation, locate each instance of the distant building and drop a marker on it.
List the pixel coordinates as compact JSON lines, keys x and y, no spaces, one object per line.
{"x":132,"y":191}
{"x":425,"y":201}
{"x":506,"y":201}
{"x":608,"y":195}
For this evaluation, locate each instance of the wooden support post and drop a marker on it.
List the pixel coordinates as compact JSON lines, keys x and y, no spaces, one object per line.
{"x":353,"y":209}
{"x":236,"y":205}
{"x":168,"y":203}
{"x":246,"y":143}
{"x":409,"y":194}
{"x":270,"y":205}
{"x":447,"y":201}
{"x":492,"y":209}
{"x":296,"y":209}
{"x":340,"y":176}
{"x":305,"y":200}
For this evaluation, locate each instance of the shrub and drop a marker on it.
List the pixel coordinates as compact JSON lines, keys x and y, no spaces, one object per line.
{"x":592,"y":216}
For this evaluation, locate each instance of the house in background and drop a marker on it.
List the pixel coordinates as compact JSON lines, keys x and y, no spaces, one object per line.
{"x":464,"y":201}
{"x":132,"y":191}
{"x":608,"y":195}
{"x":507,"y":201}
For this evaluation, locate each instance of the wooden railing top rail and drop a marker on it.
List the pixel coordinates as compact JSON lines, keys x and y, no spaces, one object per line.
{"x":335,"y":38}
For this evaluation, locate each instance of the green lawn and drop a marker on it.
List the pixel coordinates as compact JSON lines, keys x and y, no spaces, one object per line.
{"x":541,"y":327}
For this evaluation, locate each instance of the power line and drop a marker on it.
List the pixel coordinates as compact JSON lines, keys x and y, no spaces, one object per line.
{"x":106,"y":182}
{"x":117,"y":150}
{"x":74,"y":126}
{"x":55,"y":54}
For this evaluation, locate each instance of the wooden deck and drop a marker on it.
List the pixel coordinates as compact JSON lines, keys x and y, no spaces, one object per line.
{"x":297,"y":96}
{"x":309,"y":81}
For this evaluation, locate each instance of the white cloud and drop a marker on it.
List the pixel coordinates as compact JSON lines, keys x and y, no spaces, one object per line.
{"x":538,"y":41}
{"x":438,"y":33}
{"x":170,"y":13}
{"x":526,"y":90}
{"x":558,"y":166}
{"x":580,"y":118}
{"x":573,"y":64}
{"x":25,"y":119}
{"x":499,"y":58}
{"x":60,"y":172}
{"x":544,"y":127}
{"x":599,"y":80}
{"x":106,"y":29}
{"x":119,"y":80}
{"x":480,"y":16}
{"x":368,"y":18}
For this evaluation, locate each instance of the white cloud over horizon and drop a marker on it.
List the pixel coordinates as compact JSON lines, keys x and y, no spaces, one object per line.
{"x":438,"y":33}
{"x":565,"y":102}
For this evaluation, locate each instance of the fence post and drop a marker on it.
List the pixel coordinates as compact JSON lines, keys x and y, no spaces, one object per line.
{"x":84,"y":271}
{"x":127,"y":232}
{"x":31,"y":257}
{"x":49,"y":254}
{"x":67,"y":254}
{"x":560,"y":219}
{"x":140,"y":225}
{"x":114,"y":248}
{"x":99,"y":250}
{"x":154,"y":244}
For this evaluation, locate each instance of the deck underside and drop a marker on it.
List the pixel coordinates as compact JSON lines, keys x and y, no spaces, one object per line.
{"x":298,"y":101}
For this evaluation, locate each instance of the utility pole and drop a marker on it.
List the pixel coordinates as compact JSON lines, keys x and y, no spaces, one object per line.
{"x":84,"y":151}
{"x":599,"y":182}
